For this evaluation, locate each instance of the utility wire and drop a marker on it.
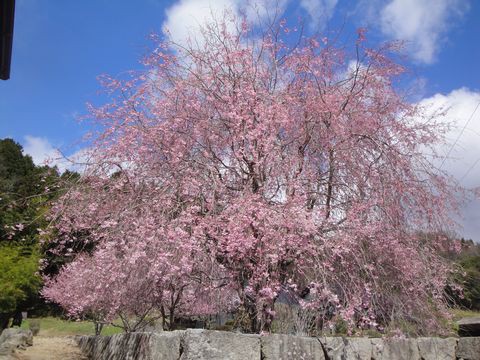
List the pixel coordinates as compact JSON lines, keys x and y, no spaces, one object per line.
{"x":459,"y":135}
{"x":470,"y":169}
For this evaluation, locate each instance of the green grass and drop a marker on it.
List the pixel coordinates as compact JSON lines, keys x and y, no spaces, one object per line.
{"x":460,"y":314}
{"x":51,"y":326}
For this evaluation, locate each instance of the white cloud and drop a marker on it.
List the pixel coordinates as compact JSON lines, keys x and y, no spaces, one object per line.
{"x":422,"y":23}
{"x":459,"y":106}
{"x":319,"y":11}
{"x":44,"y":153}
{"x":463,"y":146}
{"x":39,"y":149}
{"x":185,"y":17}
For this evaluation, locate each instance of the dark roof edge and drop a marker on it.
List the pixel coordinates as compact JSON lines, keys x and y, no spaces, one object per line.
{"x":7,"y":13}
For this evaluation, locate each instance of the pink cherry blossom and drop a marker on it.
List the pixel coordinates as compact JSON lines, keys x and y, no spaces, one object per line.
{"x":236,"y":168}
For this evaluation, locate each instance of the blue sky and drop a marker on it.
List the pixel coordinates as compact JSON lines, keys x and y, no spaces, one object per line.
{"x":60,"y":47}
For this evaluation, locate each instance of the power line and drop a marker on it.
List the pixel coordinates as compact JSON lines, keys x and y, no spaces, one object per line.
{"x":470,"y":169}
{"x":460,"y":135}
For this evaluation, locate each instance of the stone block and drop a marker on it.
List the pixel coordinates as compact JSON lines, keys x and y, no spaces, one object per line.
{"x":469,"y":326}
{"x":395,"y":349}
{"x":433,"y":348}
{"x":358,"y":349}
{"x":166,"y":345}
{"x":219,"y":345}
{"x":14,"y":338}
{"x":468,"y":348}
{"x":129,"y":346}
{"x":286,"y":347}
{"x":333,"y":346}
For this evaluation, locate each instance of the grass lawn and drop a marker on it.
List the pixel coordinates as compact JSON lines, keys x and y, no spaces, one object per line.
{"x":460,"y":314}
{"x":51,"y":326}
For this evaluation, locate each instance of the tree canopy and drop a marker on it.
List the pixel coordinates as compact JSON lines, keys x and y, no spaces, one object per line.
{"x":25,"y":193}
{"x":246,"y":167}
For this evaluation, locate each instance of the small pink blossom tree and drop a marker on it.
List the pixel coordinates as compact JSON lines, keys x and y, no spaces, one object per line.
{"x":238,"y":167}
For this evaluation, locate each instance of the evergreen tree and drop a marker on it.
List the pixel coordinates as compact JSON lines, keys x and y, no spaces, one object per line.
{"x":25,"y":193}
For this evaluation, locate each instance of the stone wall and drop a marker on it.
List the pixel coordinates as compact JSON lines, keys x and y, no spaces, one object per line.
{"x":12,"y":339}
{"x":218,"y":345}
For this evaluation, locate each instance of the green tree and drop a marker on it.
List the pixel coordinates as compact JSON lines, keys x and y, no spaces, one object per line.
{"x":469,"y":260}
{"x":25,"y":193}
{"x":19,"y":282}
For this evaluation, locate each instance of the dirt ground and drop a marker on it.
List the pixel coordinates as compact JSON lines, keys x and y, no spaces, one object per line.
{"x":51,"y":348}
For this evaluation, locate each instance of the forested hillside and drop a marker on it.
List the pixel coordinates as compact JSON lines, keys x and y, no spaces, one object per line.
{"x":25,"y":194}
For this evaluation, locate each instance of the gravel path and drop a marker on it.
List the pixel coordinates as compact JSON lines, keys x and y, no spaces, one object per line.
{"x":51,"y":348}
